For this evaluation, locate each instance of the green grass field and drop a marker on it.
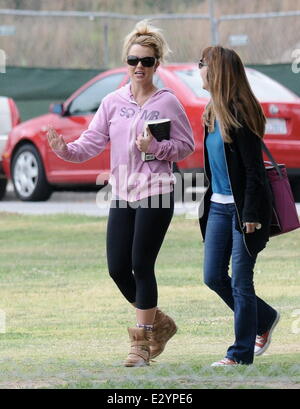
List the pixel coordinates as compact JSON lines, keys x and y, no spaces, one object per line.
{"x":66,"y":322}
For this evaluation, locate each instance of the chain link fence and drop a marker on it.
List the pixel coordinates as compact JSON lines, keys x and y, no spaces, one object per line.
{"x":94,"y":39}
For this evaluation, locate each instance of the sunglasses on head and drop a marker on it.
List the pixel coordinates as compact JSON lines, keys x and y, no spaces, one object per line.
{"x":146,"y":61}
{"x":201,"y":63}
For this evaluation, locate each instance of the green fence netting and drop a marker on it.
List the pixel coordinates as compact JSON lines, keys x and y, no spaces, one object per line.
{"x":34,"y":89}
{"x":42,"y":83}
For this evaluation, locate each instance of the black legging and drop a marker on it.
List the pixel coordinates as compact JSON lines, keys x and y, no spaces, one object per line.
{"x":134,"y":238}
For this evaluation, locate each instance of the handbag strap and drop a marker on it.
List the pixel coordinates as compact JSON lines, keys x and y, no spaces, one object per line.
{"x":270,"y":156}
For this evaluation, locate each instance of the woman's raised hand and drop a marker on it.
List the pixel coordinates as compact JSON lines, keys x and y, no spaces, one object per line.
{"x":56,"y":141}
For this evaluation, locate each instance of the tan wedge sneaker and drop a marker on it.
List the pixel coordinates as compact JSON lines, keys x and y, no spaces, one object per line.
{"x":139,"y":353}
{"x":164,"y":328}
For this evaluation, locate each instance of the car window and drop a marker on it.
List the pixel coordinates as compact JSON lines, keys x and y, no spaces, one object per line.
{"x":158,"y":82}
{"x":263,"y":87}
{"x":193,"y":80}
{"x":90,"y":99}
{"x":268,"y":90}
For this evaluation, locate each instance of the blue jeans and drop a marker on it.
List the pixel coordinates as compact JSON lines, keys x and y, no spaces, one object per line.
{"x":252,"y":315}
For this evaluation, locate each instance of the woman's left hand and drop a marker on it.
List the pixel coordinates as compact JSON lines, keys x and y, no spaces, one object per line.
{"x":142,"y":142}
{"x":250,"y":227}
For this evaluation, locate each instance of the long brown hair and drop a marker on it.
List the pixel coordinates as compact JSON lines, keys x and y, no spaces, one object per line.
{"x":232,"y":100}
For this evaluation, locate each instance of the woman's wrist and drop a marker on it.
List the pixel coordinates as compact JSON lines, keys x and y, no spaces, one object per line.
{"x":257,"y":224}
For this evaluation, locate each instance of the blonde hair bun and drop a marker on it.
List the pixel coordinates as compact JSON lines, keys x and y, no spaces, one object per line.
{"x":147,"y":35}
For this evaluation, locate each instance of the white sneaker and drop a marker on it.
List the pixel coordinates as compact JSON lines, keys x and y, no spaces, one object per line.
{"x":225,"y":362}
{"x":263,"y":341}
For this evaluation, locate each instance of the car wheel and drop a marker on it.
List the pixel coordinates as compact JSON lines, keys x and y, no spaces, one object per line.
{"x":28,"y":175}
{"x":3,"y":183}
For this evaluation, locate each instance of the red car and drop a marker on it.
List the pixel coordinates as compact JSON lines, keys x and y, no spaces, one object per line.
{"x":36,"y":171}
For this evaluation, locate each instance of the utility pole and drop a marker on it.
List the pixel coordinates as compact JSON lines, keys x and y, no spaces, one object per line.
{"x":105,"y":45}
{"x":213,"y":23}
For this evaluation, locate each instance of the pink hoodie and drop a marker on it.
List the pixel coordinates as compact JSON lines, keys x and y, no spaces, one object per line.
{"x":120,"y":120}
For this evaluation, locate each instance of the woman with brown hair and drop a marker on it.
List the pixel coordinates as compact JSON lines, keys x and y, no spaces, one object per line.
{"x":238,"y":204}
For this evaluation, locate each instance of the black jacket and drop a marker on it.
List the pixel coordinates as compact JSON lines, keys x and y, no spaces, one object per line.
{"x":249,"y":184}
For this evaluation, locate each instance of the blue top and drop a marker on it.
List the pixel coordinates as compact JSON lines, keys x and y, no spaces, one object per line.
{"x":216,"y":157}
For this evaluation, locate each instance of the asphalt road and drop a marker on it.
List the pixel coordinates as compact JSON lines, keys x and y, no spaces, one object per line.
{"x":82,"y":203}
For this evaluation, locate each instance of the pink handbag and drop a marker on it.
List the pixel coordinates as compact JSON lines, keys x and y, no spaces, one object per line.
{"x":285,"y":217}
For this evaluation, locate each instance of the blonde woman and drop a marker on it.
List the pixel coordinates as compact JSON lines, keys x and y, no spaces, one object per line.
{"x":143,"y":201}
{"x":238,"y":203}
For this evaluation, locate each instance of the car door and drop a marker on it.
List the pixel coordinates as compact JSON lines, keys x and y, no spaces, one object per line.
{"x":80,"y":112}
